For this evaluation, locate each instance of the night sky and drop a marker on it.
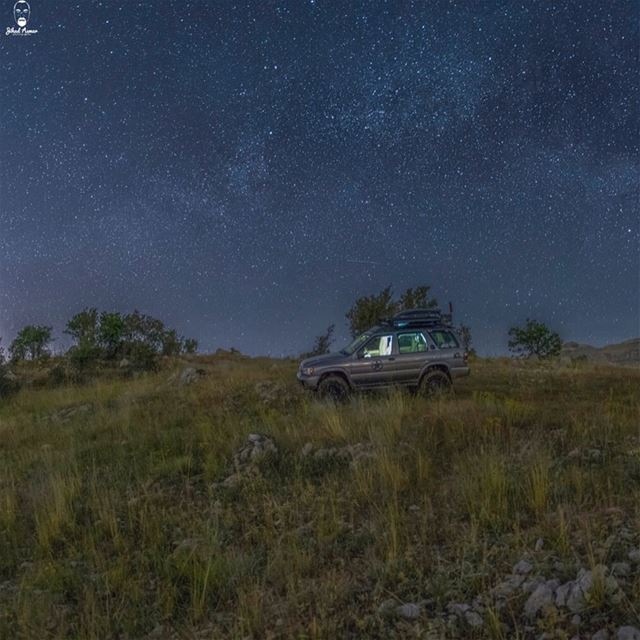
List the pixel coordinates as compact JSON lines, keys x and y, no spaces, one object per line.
{"x":244,"y":170}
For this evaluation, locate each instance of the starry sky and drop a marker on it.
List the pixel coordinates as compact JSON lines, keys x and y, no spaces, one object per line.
{"x":245,"y":170}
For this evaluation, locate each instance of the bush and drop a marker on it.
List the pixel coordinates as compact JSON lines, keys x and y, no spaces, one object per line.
{"x":142,"y":356}
{"x":83,"y":356}
{"x":138,"y":338}
{"x":58,"y":375}
{"x":8,"y":382}
{"x":31,"y":343}
{"x":534,"y":339}
{"x":368,"y":310}
{"x":322,"y":343}
{"x":190,"y":345}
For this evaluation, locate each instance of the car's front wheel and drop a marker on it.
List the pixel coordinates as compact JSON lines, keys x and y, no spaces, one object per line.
{"x":435,"y":383}
{"x":333,"y":388}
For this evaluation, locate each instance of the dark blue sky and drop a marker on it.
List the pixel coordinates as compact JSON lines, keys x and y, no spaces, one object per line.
{"x":244,"y":170}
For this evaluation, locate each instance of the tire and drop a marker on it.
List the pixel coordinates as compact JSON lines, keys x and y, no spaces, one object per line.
{"x":435,"y":383}
{"x":334,"y":388}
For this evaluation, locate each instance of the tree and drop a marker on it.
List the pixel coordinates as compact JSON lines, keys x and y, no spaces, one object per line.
{"x":8,"y":382}
{"x":465,"y":335}
{"x":31,"y":343}
{"x":322,"y":343}
{"x":417,"y":298}
{"x":534,"y":339}
{"x":172,"y":344}
{"x":368,"y":310}
{"x":137,"y":337}
{"x":111,"y":333}
{"x":82,"y":355}
{"x":139,"y":327}
{"x":83,"y":327}
{"x":141,"y":340}
{"x":141,"y":354}
{"x":190,"y":345}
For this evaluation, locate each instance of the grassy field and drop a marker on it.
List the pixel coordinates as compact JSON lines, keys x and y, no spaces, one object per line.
{"x":139,"y":508}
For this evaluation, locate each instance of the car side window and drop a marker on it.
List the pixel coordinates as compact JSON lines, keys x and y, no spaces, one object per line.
{"x":414,"y":342}
{"x":444,"y":339}
{"x":378,"y":346}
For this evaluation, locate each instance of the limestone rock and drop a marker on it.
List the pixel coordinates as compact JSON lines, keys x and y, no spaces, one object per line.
{"x":523,"y":567}
{"x":540,"y":599}
{"x":408,"y":611}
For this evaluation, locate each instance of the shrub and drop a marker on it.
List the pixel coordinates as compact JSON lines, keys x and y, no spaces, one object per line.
{"x":136,"y":337}
{"x":322,"y":343}
{"x":190,"y":345}
{"x":31,"y":343}
{"x":367,"y":310}
{"x":82,"y":356}
{"x":534,"y":339}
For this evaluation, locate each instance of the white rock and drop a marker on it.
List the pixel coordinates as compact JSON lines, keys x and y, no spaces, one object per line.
{"x":523,"y":567}
{"x":185,"y":377}
{"x":408,"y":611}
{"x":530,"y":585}
{"x":473,"y":618}
{"x":562,"y":593}
{"x":628,"y":633}
{"x":65,"y":415}
{"x":575,"y":594}
{"x":387,"y":607}
{"x":508,"y":586}
{"x":603,"y":634}
{"x":622,"y":569}
{"x":542,"y":597}
{"x":458,"y":608}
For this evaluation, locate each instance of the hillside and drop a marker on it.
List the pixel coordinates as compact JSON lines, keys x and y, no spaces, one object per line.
{"x":623,"y":353}
{"x":213,"y":499}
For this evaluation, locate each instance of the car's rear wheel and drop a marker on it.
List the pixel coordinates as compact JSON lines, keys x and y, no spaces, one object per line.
{"x":435,"y":383}
{"x":333,"y":388}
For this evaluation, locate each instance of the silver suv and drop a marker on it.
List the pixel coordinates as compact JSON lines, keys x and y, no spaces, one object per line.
{"x":416,"y":348}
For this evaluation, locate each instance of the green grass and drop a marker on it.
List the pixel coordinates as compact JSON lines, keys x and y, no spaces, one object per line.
{"x":115,"y":521}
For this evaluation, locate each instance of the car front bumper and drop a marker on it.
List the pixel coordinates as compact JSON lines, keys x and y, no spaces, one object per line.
{"x":308,"y":382}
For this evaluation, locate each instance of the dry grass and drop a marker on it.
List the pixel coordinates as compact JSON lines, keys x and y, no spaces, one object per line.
{"x":114,"y":521}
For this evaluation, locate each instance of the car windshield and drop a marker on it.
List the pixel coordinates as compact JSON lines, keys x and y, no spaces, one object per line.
{"x":357,"y":343}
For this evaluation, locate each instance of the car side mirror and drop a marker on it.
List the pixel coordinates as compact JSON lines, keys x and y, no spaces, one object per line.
{"x":360,"y":354}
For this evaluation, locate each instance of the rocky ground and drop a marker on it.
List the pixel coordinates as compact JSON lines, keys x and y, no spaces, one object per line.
{"x":214,"y":499}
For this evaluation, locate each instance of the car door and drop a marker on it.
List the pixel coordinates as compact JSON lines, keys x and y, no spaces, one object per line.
{"x":412,"y":353}
{"x":449,"y":350}
{"x":374,"y":363}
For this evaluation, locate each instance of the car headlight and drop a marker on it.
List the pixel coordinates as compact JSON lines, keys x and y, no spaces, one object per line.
{"x":307,"y":371}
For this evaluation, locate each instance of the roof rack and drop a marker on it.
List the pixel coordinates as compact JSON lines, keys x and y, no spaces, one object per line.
{"x":418,"y":318}
{"x":418,"y":314}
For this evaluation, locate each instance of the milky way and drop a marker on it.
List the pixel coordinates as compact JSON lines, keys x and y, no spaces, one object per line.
{"x":245,"y":170}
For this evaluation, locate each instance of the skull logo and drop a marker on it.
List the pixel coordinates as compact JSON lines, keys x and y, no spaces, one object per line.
{"x":21,"y":13}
